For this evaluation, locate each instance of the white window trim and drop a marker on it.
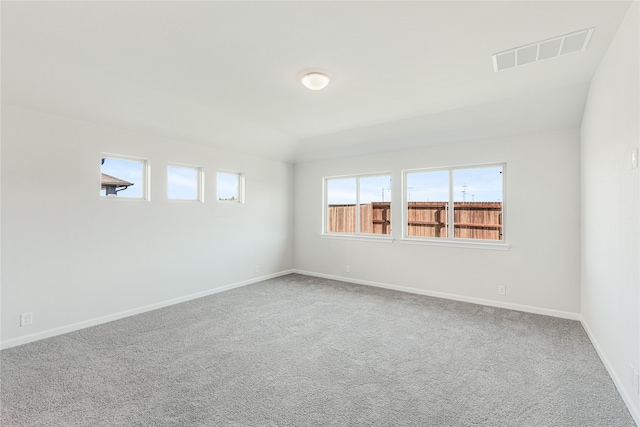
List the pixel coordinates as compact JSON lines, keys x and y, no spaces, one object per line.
{"x":200,"y":182}
{"x":385,"y":238}
{"x":146,"y":176}
{"x":502,"y":245}
{"x":241,"y":187}
{"x":458,"y":243}
{"x":380,"y":238}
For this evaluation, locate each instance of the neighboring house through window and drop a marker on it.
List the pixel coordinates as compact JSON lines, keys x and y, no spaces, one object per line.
{"x":125,"y":177}
{"x":112,"y":185}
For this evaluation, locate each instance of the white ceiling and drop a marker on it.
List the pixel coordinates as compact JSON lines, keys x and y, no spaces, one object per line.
{"x":226,"y":74}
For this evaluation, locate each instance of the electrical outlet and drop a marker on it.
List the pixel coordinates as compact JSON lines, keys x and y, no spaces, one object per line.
{"x":26,"y":319}
{"x":634,"y":158}
{"x":257,"y":268}
{"x":348,"y":269}
{"x":502,"y":290}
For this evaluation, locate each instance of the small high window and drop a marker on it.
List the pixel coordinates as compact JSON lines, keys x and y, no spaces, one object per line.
{"x":184,"y":183}
{"x":124,"y":177}
{"x":230,"y":187}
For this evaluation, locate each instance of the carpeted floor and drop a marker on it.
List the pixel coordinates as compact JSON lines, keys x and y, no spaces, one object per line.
{"x":303,"y":351}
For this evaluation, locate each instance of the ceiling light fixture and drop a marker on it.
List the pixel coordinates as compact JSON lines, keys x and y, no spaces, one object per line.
{"x":315,"y":81}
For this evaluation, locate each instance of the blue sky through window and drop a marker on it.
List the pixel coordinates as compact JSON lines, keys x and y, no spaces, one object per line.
{"x":375,"y":189}
{"x":127,"y":170}
{"x":478,"y":185}
{"x":482,"y":184}
{"x":432,"y":186}
{"x":341,"y":191}
{"x":182,"y":183}
{"x":228,"y":186}
{"x":372,"y":189}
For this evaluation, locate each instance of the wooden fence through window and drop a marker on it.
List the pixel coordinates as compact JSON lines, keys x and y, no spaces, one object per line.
{"x":472,"y":220}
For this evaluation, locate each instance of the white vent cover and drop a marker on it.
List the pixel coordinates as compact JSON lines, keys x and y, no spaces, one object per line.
{"x":545,"y":49}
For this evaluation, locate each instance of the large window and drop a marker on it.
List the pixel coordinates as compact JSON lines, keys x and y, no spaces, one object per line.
{"x":184,"y":183}
{"x":455,"y":203}
{"x":124,"y":177}
{"x":358,"y":204}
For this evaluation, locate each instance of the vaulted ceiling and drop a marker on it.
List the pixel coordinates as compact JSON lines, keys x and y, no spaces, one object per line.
{"x":227,"y":74}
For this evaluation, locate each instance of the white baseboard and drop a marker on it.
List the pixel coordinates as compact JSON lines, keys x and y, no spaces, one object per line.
{"x":490,"y":303}
{"x":131,"y":312}
{"x":628,"y":400}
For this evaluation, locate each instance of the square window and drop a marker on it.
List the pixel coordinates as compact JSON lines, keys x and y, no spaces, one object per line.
{"x":230,"y":187}
{"x":358,"y":204}
{"x":184,"y":183}
{"x":124,"y":177}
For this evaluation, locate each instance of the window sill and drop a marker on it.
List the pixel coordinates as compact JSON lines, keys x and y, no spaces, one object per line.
{"x":135,"y":199}
{"x":361,"y":237}
{"x":457,"y":244}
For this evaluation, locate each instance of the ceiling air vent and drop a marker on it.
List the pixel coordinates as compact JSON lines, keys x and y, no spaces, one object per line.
{"x":545,"y":49}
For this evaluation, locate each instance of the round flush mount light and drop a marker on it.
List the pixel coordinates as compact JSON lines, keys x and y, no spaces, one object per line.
{"x":315,"y":81}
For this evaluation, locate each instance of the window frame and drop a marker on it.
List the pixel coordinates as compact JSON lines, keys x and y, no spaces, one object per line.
{"x":451,"y":240}
{"x":357,"y":235}
{"x":199,"y":182}
{"x":241,"y":187}
{"x":146,"y":176}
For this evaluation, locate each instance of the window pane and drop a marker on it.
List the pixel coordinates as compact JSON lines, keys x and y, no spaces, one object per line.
{"x":228,"y":186}
{"x":122,"y":178}
{"x":427,"y":203}
{"x":182,"y":183}
{"x":477,"y":208}
{"x":375,"y":204}
{"x":341,"y":209}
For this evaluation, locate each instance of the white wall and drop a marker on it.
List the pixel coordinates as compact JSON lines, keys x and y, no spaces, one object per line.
{"x":71,"y":257}
{"x":610,"y":209}
{"x":542,"y":268}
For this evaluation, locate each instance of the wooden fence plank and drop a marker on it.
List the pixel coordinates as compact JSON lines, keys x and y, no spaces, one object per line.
{"x":472,"y":220}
